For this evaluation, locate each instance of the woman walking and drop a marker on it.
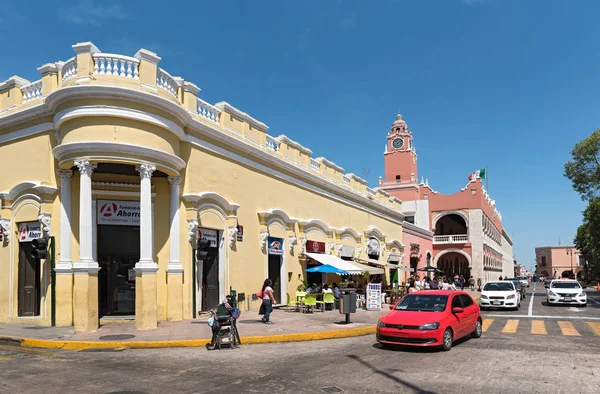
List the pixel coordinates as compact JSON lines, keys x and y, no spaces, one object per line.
{"x":268,"y":300}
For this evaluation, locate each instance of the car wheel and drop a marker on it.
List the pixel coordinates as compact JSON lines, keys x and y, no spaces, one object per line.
{"x":447,"y":340}
{"x":584,"y":305}
{"x":478,"y":329}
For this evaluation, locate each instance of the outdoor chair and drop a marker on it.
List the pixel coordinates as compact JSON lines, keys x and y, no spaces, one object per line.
{"x":291,"y":303}
{"x":328,"y":299}
{"x":310,"y":300}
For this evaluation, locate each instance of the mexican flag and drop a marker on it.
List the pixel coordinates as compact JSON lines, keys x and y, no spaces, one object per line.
{"x":478,"y":174}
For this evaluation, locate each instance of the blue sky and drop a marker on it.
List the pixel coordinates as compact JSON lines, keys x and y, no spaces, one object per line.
{"x":507,"y":84}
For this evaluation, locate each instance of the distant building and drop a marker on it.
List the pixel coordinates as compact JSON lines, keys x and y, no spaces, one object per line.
{"x":558,"y":261}
{"x":466,"y":228}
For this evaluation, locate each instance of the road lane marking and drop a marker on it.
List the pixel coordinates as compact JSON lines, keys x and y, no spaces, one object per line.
{"x":568,"y":329}
{"x":593,"y":300}
{"x":545,"y":317}
{"x":538,"y":327}
{"x":511,"y":327}
{"x":486,"y":324}
{"x":595,"y":326}
{"x":530,"y":311}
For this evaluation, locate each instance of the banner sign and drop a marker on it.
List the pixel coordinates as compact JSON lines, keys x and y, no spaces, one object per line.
{"x":119,"y":213}
{"x":315,"y":247}
{"x":347,"y":251}
{"x":373,"y":296}
{"x":29,"y":231}
{"x":394,"y":258}
{"x":275,"y":246}
{"x":209,"y":235}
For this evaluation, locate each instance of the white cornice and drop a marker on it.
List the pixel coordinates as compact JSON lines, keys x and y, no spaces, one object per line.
{"x":197,"y":198}
{"x":356,"y":178}
{"x":294,"y":144}
{"x":225,"y":106}
{"x":415,"y":230}
{"x":330,"y":164}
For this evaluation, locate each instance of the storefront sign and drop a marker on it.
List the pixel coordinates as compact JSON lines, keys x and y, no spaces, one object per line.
{"x":276,"y":246}
{"x":315,"y":247}
{"x":29,"y":231}
{"x":347,"y":251}
{"x":240,"y":233}
{"x":209,"y":235}
{"x":374,"y":296}
{"x":119,"y":213}
{"x":394,"y":258}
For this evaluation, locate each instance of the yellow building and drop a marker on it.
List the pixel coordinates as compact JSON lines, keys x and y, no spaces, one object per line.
{"x":126,"y":167}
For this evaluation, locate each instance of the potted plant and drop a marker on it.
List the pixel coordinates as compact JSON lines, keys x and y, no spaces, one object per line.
{"x":302,"y":286}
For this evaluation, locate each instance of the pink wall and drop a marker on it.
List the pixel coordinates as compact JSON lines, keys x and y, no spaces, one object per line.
{"x":426,"y":245}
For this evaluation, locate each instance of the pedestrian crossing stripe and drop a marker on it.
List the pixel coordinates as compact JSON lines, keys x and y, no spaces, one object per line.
{"x":539,"y":327}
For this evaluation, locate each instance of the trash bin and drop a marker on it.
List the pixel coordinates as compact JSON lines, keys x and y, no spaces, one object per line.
{"x":347,"y":303}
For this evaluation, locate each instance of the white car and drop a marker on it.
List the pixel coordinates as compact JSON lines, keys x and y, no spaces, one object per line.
{"x":524,"y":280}
{"x":565,"y":291}
{"x":500,"y":294}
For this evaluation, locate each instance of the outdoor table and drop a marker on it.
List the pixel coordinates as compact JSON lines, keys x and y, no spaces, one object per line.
{"x":302,"y":299}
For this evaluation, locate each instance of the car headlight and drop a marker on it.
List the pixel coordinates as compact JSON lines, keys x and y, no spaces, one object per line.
{"x":510,"y":297}
{"x":380,"y":323}
{"x":551,"y":293}
{"x":430,"y":326}
{"x":484,"y":296}
{"x":582,"y":294}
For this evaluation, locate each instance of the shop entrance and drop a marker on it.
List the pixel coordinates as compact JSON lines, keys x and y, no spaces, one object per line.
{"x":118,"y":252}
{"x":210,"y":279}
{"x":275,"y":276}
{"x":28,"y":281}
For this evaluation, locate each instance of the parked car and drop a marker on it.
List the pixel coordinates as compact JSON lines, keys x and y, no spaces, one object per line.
{"x":566,"y":291}
{"x":500,"y":294}
{"x":524,"y":280}
{"x":548,"y":280}
{"x":430,"y":318}
{"x":519,"y":285}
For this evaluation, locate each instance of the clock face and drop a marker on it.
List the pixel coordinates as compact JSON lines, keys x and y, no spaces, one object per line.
{"x":397,"y":143}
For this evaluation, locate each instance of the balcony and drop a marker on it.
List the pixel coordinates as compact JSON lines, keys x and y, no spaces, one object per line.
{"x":451,"y":239}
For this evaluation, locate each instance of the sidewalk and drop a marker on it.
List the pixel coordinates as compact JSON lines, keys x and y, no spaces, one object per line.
{"x":287,"y":327}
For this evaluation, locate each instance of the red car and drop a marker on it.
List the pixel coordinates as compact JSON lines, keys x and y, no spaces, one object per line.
{"x":430,"y":318}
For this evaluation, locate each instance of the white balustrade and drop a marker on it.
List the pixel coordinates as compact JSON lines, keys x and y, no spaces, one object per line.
{"x":32,"y":91}
{"x":272,"y":143}
{"x":346,"y":180}
{"x":451,"y":239}
{"x":165,"y":81}
{"x":315,"y":165}
{"x":69,"y":69}
{"x":370,"y":192}
{"x":208,"y":111}
{"x":117,"y":65}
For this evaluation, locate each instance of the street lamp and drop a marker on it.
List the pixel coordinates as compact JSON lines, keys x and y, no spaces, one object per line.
{"x":570,"y":252}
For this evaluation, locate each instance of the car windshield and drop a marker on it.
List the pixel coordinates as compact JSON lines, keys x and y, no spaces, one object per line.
{"x":565,"y":285}
{"x":423,"y":303}
{"x":513,"y":279}
{"x":498,"y":286}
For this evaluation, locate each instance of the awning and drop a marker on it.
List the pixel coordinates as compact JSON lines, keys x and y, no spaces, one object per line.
{"x":336,"y":262}
{"x":379,"y":263}
{"x":372,"y":270}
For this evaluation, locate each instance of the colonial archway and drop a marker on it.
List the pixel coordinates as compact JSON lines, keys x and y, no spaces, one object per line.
{"x":454,"y":223}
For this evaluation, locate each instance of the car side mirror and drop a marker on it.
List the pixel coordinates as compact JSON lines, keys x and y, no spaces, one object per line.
{"x":392,"y":307}
{"x":457,"y":310}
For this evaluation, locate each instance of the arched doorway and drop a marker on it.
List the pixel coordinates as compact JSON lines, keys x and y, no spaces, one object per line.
{"x":567,"y":274}
{"x":454,"y":263}
{"x":451,"y":224}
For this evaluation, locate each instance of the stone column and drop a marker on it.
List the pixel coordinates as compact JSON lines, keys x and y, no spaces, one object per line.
{"x":64,"y":268}
{"x":175,"y":268}
{"x":85,"y":314}
{"x":145,"y":269}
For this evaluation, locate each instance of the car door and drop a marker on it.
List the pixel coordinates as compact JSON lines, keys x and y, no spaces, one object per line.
{"x":460,"y":318}
{"x":470,"y":313}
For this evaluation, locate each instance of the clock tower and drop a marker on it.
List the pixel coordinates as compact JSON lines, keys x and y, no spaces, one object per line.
{"x":400,"y":157}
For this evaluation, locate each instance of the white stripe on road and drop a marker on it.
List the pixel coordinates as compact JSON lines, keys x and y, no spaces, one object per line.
{"x":593,"y":300}
{"x":530,"y":312}
{"x":544,"y":317}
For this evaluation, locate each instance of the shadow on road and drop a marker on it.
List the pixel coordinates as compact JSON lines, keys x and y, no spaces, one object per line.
{"x":389,"y":375}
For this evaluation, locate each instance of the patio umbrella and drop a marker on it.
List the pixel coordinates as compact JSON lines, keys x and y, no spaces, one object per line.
{"x":429,"y":268}
{"x":327,"y":269}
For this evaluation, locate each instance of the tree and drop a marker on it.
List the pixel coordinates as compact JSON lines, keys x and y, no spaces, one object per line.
{"x":587,"y":239}
{"x":584,"y":169}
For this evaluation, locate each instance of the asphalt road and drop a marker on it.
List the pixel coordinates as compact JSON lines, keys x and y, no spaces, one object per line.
{"x":499,"y":362}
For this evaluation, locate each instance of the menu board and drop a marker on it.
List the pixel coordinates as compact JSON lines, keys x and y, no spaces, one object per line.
{"x":374,"y":296}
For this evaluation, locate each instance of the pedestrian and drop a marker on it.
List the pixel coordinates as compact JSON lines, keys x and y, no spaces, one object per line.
{"x":411,"y":287}
{"x":267,"y":300}
{"x":427,"y":284}
{"x":461,"y":282}
{"x":500,"y":278}
{"x":472,"y":283}
{"x":433,"y":284}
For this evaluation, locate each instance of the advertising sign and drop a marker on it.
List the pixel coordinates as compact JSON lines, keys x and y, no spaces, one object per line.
{"x":315,"y":247}
{"x":373,"y":296}
{"x":209,"y":235}
{"x":28,"y":231}
{"x":394,"y":258}
{"x":275,"y":246}
{"x":119,"y":213}
{"x":347,"y":251}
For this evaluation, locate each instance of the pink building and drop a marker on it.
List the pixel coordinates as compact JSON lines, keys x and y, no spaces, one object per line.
{"x":558,"y":261}
{"x":467,"y":235}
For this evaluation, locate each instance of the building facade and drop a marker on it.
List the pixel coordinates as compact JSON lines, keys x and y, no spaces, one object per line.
{"x":558,"y":262}
{"x":468,"y":236}
{"x":126,"y":167}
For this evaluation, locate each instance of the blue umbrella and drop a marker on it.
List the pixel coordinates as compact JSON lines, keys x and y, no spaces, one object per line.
{"x":328,"y":269}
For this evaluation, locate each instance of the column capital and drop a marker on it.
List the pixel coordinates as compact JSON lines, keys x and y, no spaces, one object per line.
{"x":174,"y":180}
{"x":65,"y":175}
{"x":86,"y":167}
{"x":145,"y":170}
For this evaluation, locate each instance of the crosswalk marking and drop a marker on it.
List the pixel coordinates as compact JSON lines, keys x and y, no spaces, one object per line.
{"x":486,"y":324}
{"x":595,"y":326}
{"x":538,"y":327}
{"x":511,"y":327}
{"x":568,"y":329}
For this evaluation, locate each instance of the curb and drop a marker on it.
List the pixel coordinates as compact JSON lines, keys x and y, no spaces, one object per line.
{"x":260,"y":339}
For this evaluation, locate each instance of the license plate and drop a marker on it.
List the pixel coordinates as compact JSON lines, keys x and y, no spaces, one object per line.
{"x":496,"y":302}
{"x":568,"y":299}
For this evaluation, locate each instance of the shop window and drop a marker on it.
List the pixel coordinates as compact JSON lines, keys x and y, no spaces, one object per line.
{"x":543,"y":261}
